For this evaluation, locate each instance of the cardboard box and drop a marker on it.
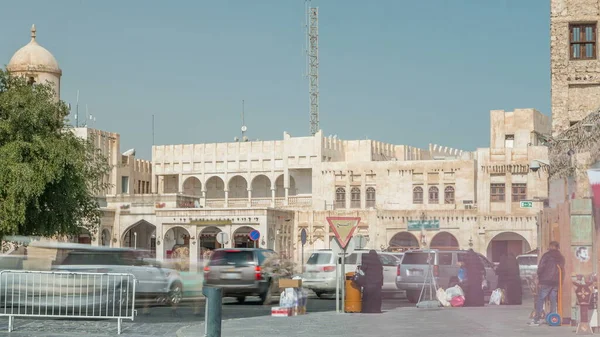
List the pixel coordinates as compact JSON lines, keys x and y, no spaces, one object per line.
{"x":288,"y":283}
{"x":281,"y":312}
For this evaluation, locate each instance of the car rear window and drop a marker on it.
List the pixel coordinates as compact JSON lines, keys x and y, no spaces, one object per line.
{"x":527,"y":261}
{"x":232,"y":257}
{"x":415,"y":258}
{"x":319,"y":258}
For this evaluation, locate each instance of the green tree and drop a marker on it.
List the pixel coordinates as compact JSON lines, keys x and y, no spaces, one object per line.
{"x":49,"y":177}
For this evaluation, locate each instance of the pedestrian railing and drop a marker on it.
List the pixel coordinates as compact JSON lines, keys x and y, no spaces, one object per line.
{"x":59,"y":294}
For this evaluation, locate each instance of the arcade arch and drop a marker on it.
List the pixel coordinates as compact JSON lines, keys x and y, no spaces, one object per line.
{"x":280,"y":189}
{"x":444,"y":240}
{"x":261,"y":187}
{"x":241,"y":238}
{"x":507,"y":243}
{"x":140,"y":235}
{"x":192,"y":186}
{"x":215,"y":188}
{"x":238,"y":188}
{"x":404,"y":241}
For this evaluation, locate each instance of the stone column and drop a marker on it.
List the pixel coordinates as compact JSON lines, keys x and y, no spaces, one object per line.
{"x":272,"y":197}
{"x":160,"y":248}
{"x":363,"y":191}
{"x":226,"y":198}
{"x":285,"y":200}
{"x":180,"y":183}
{"x":203,"y":200}
{"x":194,"y":244}
{"x":250,"y":197}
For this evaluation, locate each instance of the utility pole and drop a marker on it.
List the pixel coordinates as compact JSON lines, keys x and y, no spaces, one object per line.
{"x":312,"y":25}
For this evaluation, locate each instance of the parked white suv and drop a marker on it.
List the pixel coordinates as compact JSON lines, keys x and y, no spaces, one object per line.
{"x":320,"y":270}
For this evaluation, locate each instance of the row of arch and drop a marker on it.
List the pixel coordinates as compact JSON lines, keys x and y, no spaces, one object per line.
{"x":434,"y":195}
{"x":501,"y":244}
{"x":237,"y":187}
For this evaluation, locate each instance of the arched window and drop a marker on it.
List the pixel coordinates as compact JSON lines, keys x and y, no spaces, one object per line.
{"x":340,"y":197}
{"x":418,"y":195}
{"x":449,"y":195}
{"x":434,"y":195}
{"x":355,"y":197}
{"x":370,"y":197}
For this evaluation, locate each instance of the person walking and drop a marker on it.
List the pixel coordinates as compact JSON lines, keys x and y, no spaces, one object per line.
{"x":509,"y":279}
{"x":474,"y":296}
{"x":373,"y":269}
{"x":548,"y":279}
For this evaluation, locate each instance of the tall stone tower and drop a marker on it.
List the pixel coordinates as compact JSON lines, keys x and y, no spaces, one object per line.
{"x":574,"y":62}
{"x":36,"y":64}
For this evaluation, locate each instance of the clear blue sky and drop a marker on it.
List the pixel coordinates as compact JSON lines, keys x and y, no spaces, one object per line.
{"x":405,"y":72}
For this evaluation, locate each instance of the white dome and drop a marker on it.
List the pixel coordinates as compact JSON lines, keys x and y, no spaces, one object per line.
{"x":33,"y":57}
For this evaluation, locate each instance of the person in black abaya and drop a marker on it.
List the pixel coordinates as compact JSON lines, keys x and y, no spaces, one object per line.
{"x":509,"y":279}
{"x":373,"y":269}
{"x":474,"y":296}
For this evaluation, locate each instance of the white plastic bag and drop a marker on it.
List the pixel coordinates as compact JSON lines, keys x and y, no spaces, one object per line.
{"x":442,"y":297}
{"x":496,"y":297}
{"x":452,"y":292}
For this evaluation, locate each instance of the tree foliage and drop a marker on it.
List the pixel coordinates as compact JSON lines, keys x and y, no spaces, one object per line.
{"x":49,"y":177}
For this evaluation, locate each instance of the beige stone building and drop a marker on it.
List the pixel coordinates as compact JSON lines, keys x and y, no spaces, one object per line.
{"x":189,"y":193}
{"x":575,"y":71}
{"x":470,"y":199}
{"x":36,"y":64}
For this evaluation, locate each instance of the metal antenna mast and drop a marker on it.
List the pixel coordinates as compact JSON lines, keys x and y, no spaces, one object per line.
{"x":244,"y":128}
{"x":313,"y":65}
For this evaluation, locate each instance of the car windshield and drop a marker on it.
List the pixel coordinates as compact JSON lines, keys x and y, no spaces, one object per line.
{"x":319,"y":258}
{"x":232,"y":257}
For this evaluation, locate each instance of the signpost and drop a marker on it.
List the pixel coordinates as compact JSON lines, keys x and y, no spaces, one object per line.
{"x":526,"y":204}
{"x":222,"y":238}
{"x":340,"y":254}
{"x":343,"y":228}
{"x":254,"y":236}
{"x":303,"y":241}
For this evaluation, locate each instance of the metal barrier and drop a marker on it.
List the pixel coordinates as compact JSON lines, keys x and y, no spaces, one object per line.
{"x":67,"y":295}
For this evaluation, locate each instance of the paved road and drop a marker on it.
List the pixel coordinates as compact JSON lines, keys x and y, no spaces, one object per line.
{"x":488,"y":321}
{"x":161,"y":321}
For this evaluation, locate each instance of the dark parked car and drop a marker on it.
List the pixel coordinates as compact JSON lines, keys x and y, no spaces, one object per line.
{"x":240,"y":273}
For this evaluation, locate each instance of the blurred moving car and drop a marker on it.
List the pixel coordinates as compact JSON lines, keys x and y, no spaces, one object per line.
{"x":154,"y":282}
{"x":162,"y":285}
{"x":240,"y":273}
{"x":320,"y":271}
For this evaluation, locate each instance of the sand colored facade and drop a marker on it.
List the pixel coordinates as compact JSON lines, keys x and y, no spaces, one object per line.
{"x":189,"y":193}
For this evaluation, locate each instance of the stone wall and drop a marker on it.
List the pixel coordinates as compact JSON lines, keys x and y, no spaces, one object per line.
{"x":575,"y":83}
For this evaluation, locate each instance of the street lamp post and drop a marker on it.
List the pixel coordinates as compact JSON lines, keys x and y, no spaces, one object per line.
{"x":135,"y":240}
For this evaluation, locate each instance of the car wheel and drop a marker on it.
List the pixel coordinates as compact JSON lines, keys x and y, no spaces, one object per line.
{"x":241,"y":299}
{"x":175,"y":293}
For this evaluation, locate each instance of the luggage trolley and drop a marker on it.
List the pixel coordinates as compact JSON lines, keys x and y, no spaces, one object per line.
{"x":555,"y":318}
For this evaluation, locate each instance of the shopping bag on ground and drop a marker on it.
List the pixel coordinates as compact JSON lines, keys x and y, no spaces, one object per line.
{"x":452,"y":292}
{"x":458,"y":301}
{"x":496,"y":297}
{"x":442,"y":297}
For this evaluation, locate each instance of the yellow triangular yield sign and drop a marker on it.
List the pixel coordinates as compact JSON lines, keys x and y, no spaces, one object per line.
{"x":343,"y":228}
